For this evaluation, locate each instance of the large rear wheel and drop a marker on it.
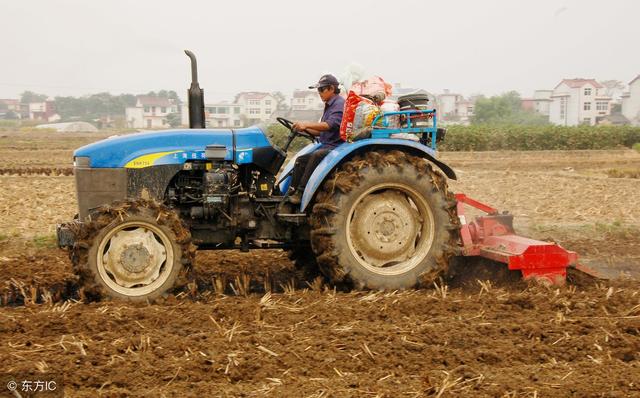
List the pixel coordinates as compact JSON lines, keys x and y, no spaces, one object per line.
{"x":384,"y":221}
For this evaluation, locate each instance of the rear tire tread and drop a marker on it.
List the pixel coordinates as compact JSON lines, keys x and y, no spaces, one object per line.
{"x":349,"y":176}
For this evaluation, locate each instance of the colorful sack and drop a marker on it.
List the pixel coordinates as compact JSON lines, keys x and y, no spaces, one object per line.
{"x":373,"y":87}
{"x":349,"y":114}
{"x":365,"y":114}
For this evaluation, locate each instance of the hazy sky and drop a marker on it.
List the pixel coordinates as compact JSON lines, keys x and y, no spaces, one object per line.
{"x":76,"y":47}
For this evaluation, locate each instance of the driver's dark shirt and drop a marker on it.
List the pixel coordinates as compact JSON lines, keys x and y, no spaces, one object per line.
{"x":333,"y":116}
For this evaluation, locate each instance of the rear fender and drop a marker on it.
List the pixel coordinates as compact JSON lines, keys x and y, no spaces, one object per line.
{"x":346,"y":151}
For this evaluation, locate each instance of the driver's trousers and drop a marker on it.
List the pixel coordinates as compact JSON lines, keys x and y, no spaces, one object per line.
{"x":305,"y":164}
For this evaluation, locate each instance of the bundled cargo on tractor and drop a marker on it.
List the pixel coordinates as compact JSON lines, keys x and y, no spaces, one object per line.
{"x":376,"y":213}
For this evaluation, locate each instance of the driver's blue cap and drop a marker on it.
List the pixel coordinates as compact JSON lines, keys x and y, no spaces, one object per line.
{"x":326,"y":80}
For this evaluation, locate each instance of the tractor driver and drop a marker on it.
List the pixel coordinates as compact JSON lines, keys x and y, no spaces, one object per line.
{"x":327,"y":129}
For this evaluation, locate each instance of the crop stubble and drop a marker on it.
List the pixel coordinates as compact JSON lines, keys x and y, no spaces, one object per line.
{"x":478,"y":339}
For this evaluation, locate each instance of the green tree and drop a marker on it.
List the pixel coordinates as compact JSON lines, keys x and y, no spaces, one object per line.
{"x":616,"y":108}
{"x":505,"y":109}
{"x":174,"y":119}
{"x":70,"y":107}
{"x":170,"y":94}
{"x":279,"y":135}
{"x":29,"y":96}
{"x":281,"y":101}
{"x":93,"y":106}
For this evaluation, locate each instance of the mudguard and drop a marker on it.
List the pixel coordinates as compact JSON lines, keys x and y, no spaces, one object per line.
{"x":337,"y":155}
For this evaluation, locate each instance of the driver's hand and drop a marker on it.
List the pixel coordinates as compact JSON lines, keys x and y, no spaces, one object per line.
{"x":299,"y":126}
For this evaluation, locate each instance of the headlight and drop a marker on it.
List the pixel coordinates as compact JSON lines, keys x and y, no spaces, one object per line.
{"x":81,"y":161}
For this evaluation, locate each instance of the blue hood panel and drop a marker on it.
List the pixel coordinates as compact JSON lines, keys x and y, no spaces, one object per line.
{"x":171,"y":147}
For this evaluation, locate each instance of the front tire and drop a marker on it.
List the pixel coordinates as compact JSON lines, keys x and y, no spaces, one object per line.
{"x":384,"y":221}
{"x":132,"y":251}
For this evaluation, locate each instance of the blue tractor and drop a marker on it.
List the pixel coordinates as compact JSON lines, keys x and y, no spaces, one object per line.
{"x":375,"y":214}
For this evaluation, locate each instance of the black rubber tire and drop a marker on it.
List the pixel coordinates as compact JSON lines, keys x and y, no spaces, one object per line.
{"x":103,"y":220}
{"x":304,"y":261}
{"x":341,"y":190}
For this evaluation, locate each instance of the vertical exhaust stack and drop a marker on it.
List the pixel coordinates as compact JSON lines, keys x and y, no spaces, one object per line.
{"x":196,"y":96}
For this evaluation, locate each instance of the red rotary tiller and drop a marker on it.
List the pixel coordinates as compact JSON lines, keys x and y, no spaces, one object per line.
{"x":492,"y":236}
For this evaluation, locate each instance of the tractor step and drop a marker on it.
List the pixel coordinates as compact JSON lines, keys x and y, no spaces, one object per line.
{"x":293,"y":218}
{"x":266,"y":244}
{"x":492,"y":236}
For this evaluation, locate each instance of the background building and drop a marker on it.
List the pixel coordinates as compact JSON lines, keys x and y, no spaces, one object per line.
{"x":45,"y":111}
{"x":258,"y":106}
{"x":150,"y":112}
{"x":578,"y":101}
{"x":631,"y":102}
{"x":306,"y":100}
{"x":542,"y":101}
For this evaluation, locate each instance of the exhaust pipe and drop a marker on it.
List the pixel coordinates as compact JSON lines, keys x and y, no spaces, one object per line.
{"x":196,"y":96}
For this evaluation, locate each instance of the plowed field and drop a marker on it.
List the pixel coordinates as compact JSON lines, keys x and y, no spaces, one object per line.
{"x":252,"y":328}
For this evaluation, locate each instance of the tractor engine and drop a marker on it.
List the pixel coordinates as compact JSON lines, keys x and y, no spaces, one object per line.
{"x":205,"y":191}
{"x":218,"y":186}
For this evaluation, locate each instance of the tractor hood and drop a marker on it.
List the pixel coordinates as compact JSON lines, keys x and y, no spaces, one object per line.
{"x":171,"y":147}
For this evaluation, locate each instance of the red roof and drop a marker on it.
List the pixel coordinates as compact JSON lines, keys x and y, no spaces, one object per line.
{"x":154,"y":101}
{"x":9,"y":101}
{"x":636,"y":78}
{"x":577,"y":83}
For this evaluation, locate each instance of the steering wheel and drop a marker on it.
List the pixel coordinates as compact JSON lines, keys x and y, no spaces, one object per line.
{"x":289,"y":125}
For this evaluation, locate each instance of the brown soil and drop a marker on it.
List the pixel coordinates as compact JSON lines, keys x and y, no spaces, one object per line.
{"x":45,"y":171}
{"x":475,"y":339}
{"x":225,"y":336}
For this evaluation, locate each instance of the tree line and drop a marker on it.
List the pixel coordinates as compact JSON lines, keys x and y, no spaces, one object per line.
{"x":94,"y":106}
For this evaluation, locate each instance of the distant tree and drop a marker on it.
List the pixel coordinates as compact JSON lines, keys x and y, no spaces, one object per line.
{"x":281,"y":101}
{"x":70,"y":107}
{"x":93,"y":106}
{"x":29,"y":96}
{"x":505,"y":109}
{"x":616,"y":108}
{"x":174,"y":119}
{"x":279,"y":135}
{"x":173,"y":95}
{"x":170,"y":94}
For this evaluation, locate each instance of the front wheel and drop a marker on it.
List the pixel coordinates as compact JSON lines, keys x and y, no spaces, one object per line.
{"x":135,"y":253}
{"x":384,"y":221}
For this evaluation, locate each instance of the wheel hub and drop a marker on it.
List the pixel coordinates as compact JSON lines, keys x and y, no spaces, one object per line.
{"x":384,"y":228}
{"x":134,"y":257}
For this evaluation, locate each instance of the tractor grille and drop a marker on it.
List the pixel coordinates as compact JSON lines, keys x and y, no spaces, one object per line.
{"x":97,"y":186}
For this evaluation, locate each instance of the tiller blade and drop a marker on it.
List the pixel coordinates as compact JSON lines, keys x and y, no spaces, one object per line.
{"x":492,"y":236}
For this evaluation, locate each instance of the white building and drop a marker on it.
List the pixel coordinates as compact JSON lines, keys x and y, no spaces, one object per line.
{"x":306,"y":100}
{"x":224,"y":114}
{"x":631,"y":102}
{"x":542,"y":101}
{"x":464,"y":110}
{"x":258,"y":106}
{"x":447,"y":103}
{"x":454,"y":108}
{"x":218,"y":115}
{"x":150,"y":112}
{"x":578,"y":101}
